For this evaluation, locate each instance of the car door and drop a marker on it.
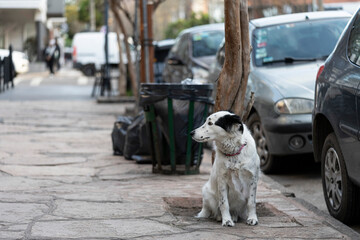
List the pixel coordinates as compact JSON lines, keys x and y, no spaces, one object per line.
{"x":352,"y":156}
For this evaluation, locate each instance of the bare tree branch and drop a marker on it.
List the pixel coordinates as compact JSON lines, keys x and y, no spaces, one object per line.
{"x":248,"y":107}
{"x":157,"y":3}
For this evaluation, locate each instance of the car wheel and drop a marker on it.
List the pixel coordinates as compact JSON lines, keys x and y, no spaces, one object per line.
{"x":267,"y":161}
{"x":88,"y":70}
{"x":342,"y":197}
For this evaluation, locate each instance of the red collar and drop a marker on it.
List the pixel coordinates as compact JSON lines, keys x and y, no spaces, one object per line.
{"x":237,"y":153}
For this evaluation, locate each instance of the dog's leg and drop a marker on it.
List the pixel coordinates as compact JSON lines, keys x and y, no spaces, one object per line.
{"x":208,"y":202}
{"x":234,"y":217}
{"x":224,"y":203}
{"x":251,"y":204}
{"x":204,"y":213}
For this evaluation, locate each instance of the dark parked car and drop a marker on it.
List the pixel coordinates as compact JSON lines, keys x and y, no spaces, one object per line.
{"x":287,"y":52}
{"x":193,"y":52}
{"x":336,"y":129}
{"x":161,"y":51}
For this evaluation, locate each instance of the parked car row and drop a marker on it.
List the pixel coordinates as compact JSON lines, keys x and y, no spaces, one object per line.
{"x":291,"y":53}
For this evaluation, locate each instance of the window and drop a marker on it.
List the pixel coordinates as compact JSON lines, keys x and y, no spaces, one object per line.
{"x":2,"y":37}
{"x":206,"y":43}
{"x":354,"y":42}
{"x":179,"y":49}
{"x":300,"y":40}
{"x":183,"y":48}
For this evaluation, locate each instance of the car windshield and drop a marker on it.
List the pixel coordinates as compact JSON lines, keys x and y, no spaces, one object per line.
{"x":287,"y":43}
{"x":206,"y":43}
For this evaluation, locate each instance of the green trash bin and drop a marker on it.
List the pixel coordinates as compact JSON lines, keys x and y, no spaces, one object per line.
{"x":172,"y":111}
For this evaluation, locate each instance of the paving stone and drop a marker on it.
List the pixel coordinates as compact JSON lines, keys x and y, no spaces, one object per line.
{"x":39,"y":160}
{"x":19,"y":196}
{"x":9,"y":235}
{"x":106,"y":210}
{"x":21,"y":212}
{"x":197,"y":235}
{"x":23,"y":184}
{"x":122,"y":228}
{"x":17,"y":170}
{"x":67,"y":179}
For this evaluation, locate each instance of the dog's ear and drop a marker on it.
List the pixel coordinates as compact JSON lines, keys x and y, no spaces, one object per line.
{"x":228,"y":121}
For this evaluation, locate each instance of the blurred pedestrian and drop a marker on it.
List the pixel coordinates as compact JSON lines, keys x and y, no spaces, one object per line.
{"x":50,"y":55}
{"x":57,"y":55}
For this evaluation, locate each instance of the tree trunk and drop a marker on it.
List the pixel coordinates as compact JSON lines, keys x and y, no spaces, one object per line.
{"x":233,"y":78}
{"x":122,"y":70}
{"x":131,"y":69}
{"x":232,"y":82}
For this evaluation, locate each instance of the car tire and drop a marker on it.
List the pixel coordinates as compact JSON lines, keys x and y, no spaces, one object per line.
{"x":342,"y":197}
{"x":267,"y":161}
{"x":88,"y":70}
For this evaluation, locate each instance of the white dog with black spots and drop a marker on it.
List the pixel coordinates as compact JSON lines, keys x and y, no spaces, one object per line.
{"x":230,"y":192}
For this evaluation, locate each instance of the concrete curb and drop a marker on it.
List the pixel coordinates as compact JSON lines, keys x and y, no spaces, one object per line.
{"x":328,"y":219}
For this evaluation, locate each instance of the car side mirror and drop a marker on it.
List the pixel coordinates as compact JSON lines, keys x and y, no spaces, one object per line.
{"x":175,"y":61}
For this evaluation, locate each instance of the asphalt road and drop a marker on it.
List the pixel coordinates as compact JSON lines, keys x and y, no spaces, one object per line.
{"x":302,"y":176}
{"x":64,"y":85}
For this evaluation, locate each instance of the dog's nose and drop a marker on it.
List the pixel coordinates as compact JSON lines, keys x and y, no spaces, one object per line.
{"x":192,"y":133}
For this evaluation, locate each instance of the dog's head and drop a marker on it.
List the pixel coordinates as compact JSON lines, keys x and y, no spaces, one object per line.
{"x":217,"y":126}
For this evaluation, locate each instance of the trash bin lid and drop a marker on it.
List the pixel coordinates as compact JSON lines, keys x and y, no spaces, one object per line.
{"x":154,"y":92}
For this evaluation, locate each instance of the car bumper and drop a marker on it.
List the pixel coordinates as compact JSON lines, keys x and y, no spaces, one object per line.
{"x":289,"y":134}
{"x":21,"y":66}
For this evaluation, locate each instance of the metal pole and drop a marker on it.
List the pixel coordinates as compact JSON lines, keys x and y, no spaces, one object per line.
{"x":92,"y":15}
{"x":136,"y":42}
{"x":145,"y":40}
{"x":150,"y":43}
{"x":106,"y":77}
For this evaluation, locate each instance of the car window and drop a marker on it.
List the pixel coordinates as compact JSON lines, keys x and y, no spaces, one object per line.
{"x":206,"y":43}
{"x":183,"y":48}
{"x":179,"y":47}
{"x":354,"y":42}
{"x":301,"y":40}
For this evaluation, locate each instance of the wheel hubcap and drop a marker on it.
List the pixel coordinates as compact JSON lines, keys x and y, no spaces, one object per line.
{"x":333,"y":182}
{"x":260,"y":140}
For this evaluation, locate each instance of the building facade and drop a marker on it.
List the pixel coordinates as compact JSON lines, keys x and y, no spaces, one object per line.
{"x":28,"y":24}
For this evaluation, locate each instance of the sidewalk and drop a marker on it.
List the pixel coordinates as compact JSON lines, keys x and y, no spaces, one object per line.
{"x":59,"y":180}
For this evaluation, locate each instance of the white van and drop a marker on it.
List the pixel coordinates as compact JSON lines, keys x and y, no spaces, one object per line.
{"x":89,"y":51}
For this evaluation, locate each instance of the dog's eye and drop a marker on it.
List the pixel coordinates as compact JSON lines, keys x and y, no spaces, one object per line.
{"x":210,"y":123}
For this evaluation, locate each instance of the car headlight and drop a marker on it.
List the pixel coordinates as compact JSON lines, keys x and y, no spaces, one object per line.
{"x":200,"y":73}
{"x":294,"y":106}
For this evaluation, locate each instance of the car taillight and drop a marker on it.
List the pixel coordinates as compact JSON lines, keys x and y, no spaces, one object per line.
{"x":319,"y":71}
{"x":74,"y":53}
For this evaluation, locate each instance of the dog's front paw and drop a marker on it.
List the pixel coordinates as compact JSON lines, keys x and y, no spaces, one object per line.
{"x":228,"y":223}
{"x":252,"y":221}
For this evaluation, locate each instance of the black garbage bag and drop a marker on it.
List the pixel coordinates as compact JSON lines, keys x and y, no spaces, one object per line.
{"x":119,"y":132}
{"x":136,"y":140}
